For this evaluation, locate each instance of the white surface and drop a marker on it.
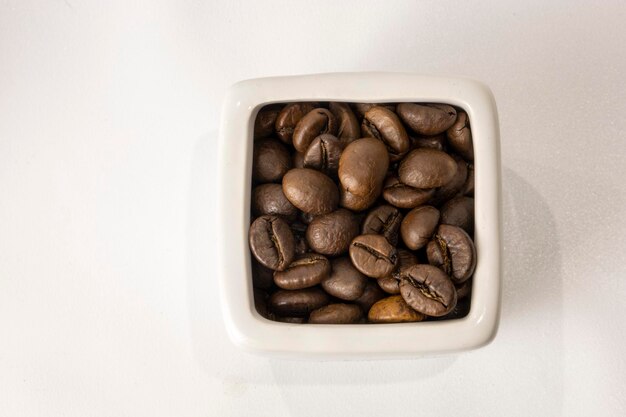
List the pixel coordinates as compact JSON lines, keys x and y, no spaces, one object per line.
{"x":254,"y":333}
{"x":108,"y":302}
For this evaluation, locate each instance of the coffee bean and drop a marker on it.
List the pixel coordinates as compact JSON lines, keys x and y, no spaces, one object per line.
{"x":269,"y":199}
{"x":310,"y":191}
{"x":305,"y":218}
{"x":354,"y":202}
{"x":336,"y":314}
{"x":260,"y":303}
{"x":295,"y":320}
{"x":373,"y":255}
{"x":460,"y":310}
{"x":345,"y":281}
{"x":264,"y":122}
{"x":459,"y":212}
{"x":371,"y":295}
{"x":427,"y":119}
{"x":454,"y":186}
{"x":297,"y":303}
{"x":349,"y":129}
{"x":272,"y":242}
{"x":468,"y":187}
{"x":452,"y":250}
{"x":301,"y":244}
{"x":289,"y":117}
{"x":271,"y":160}
{"x":383,"y":220}
{"x":426,"y":168}
{"x":390,"y":285}
{"x":305,"y":272}
{"x":383,"y":124}
{"x":361,"y":108}
{"x":460,"y":137}
{"x":463,"y":290}
{"x":406,"y":258}
{"x":323,"y":154}
{"x":363,"y":167}
{"x":427,"y":289}
{"x":313,"y":124}
{"x":298,"y":160}
{"x":404,"y":196}
{"x":332,"y":233}
{"x":393,"y":310}
{"x":418,"y":226}
{"x":433,"y":142}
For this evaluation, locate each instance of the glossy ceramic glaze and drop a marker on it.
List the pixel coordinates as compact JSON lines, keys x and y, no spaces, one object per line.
{"x":254,"y":333}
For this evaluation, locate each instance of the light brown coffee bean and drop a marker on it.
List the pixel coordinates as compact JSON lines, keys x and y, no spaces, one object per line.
{"x":427,"y":168}
{"x":393,"y":310}
{"x":310,"y":191}
{"x":418,"y":226}
{"x":427,"y":119}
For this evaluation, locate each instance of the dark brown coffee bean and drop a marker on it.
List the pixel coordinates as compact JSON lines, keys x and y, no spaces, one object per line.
{"x":393,"y":310}
{"x":373,"y":255}
{"x":305,"y":218}
{"x":404,"y":196}
{"x":427,"y":289}
{"x":390,"y":285}
{"x":261,"y":298}
{"x":463,"y":290}
{"x":383,"y":124}
{"x":345,"y":281}
{"x":454,"y":186}
{"x":271,"y":242}
{"x":460,"y":137}
{"x":468,"y":187}
{"x":349,"y":129}
{"x":323,"y":154}
{"x":371,"y":295}
{"x":336,"y":314}
{"x":297,"y":303}
{"x":362,"y":169}
{"x":298,"y":160}
{"x":262,"y":277}
{"x":453,"y":251}
{"x":305,"y":272}
{"x":459,"y":212}
{"x":433,"y":142}
{"x":301,"y":245}
{"x":311,"y":191}
{"x":295,"y":320}
{"x":361,"y":108}
{"x":265,"y":119}
{"x":383,"y":220}
{"x":427,"y":119}
{"x":269,"y":199}
{"x":289,"y":117}
{"x":460,"y":310}
{"x":426,"y":168}
{"x":418,"y":226}
{"x":406,"y":258}
{"x":271,"y":160}
{"x":332,"y":233}
{"x":314,"y":123}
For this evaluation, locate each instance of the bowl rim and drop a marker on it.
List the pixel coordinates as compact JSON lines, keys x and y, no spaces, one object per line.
{"x":247,"y":328}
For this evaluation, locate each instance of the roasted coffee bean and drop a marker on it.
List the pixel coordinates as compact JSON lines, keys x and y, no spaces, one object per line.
{"x":406,"y":258}
{"x":271,"y":160}
{"x":427,"y":119}
{"x":404,"y":196}
{"x":390,"y":285}
{"x":464,"y":289}
{"x":332,"y":233}
{"x":373,"y":255}
{"x":305,"y":218}
{"x":354,"y":202}
{"x":336,"y":314}
{"x":297,"y":303}
{"x":349,"y":128}
{"x":383,"y":220}
{"x":459,"y":212}
{"x":460,"y":310}
{"x":371,"y":295}
{"x":262,"y":277}
{"x":272,"y":242}
{"x":383,"y":124}
{"x":307,"y":271}
{"x":260,"y":303}
{"x":323,"y":154}
{"x":269,"y":199}
{"x":460,"y":137}
{"x":345,"y":281}
{"x":418,"y":226}
{"x":314,"y":123}
{"x":454,"y":186}
{"x":264,"y":122}
{"x":296,"y":320}
{"x":393,"y":310}
{"x":426,"y":168}
{"x":301,"y":244}
{"x":433,"y":142}
{"x":310,"y":191}
{"x":427,"y":289}
{"x":361,"y":108}
{"x":298,"y":160}
{"x":453,"y":251}
{"x":289,"y":117}
{"x":363,"y":167}
{"x":468,"y":187}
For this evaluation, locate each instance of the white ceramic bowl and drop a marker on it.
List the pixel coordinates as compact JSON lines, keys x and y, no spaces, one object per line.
{"x":251,"y":331}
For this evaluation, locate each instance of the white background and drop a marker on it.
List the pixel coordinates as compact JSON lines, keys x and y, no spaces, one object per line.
{"x":108,"y":114}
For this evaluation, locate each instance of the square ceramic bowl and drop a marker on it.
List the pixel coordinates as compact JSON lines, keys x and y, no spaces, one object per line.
{"x":252,"y":332}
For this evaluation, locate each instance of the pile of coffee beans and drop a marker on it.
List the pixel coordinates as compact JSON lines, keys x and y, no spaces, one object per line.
{"x":362,"y":213}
